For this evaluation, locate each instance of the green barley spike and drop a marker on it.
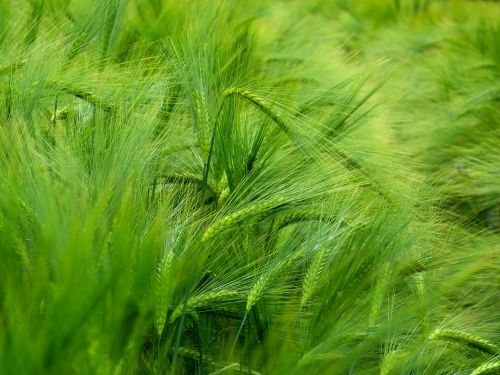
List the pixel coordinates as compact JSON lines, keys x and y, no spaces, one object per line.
{"x":162,"y":291}
{"x":465,"y":339}
{"x":245,"y":213}
{"x":205,"y":300}
{"x":488,"y":368}
{"x":260,"y":103}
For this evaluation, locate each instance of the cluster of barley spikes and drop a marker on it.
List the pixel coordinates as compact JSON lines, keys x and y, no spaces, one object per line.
{"x":249,"y":187}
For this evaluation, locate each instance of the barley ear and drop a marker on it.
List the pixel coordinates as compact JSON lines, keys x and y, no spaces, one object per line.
{"x":11,"y":67}
{"x":81,"y":94}
{"x":162,"y":291}
{"x":243,"y":214}
{"x":378,"y":294}
{"x":302,"y":216}
{"x":488,"y":368}
{"x":223,"y":196}
{"x":264,"y":280}
{"x":259,"y":103}
{"x":202,"y":123}
{"x":419,"y":279}
{"x":313,"y":275}
{"x":390,"y":360}
{"x":222,"y":190}
{"x":205,"y":300}
{"x":464,"y":339}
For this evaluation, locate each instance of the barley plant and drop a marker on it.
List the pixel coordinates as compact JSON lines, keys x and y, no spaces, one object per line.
{"x":249,"y":187}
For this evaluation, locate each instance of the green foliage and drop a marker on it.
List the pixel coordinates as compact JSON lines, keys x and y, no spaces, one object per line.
{"x":266,"y":187}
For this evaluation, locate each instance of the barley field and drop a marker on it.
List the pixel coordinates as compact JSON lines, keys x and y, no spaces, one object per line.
{"x":250,"y":187}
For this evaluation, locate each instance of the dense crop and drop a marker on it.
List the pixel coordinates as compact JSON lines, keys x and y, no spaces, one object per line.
{"x":254,"y":187}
